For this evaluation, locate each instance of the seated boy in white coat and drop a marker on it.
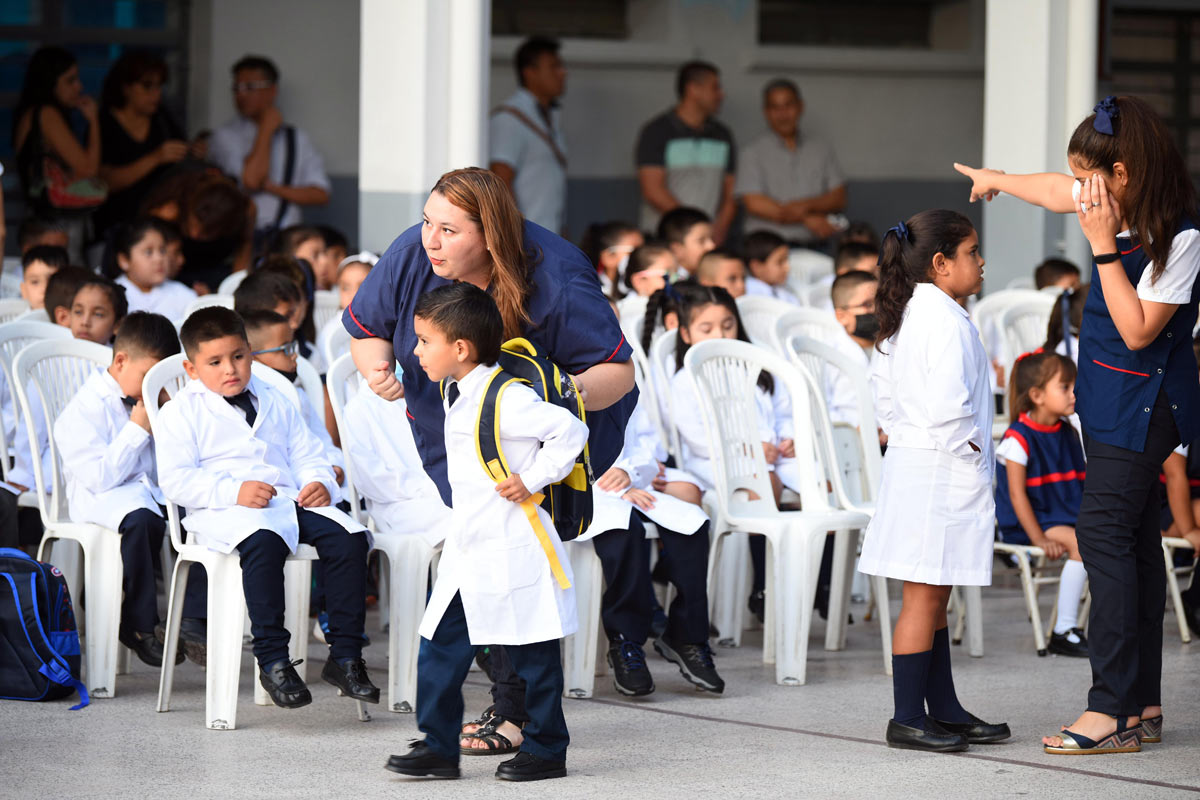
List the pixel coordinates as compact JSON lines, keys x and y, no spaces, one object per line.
{"x":853,"y":296}
{"x":253,"y":478}
{"x":103,"y":440}
{"x":496,"y":584}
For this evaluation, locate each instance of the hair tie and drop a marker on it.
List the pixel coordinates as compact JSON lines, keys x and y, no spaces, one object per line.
{"x":901,"y":231}
{"x":1027,"y":355}
{"x":1107,"y":111}
{"x":672,"y":293}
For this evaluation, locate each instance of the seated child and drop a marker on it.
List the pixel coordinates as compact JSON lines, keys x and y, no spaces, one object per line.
{"x":651,"y":267}
{"x":337,"y":248}
{"x":1057,"y":273}
{"x":103,"y":439}
{"x":351,"y":272}
{"x":38,"y":264}
{"x":299,"y":272}
{"x":1064,"y":338}
{"x":496,"y":584}
{"x":688,"y":232}
{"x":856,"y":257}
{"x":35,"y":231}
{"x":725,"y":269}
{"x":254,"y":479}
{"x":174,"y":246}
{"x":60,"y":293}
{"x":138,"y":262}
{"x":308,"y":243}
{"x":859,"y":231}
{"x":767,"y":260}
{"x":272,"y":344}
{"x":1181,"y":510}
{"x":607,"y":246}
{"x":1039,"y":481}
{"x":853,"y":296}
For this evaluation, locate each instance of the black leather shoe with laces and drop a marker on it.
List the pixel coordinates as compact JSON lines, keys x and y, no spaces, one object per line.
{"x":528,"y":767}
{"x":147,"y":647}
{"x":631,"y":676}
{"x":284,"y":685}
{"x":420,"y":761}
{"x":695,"y":662}
{"x":351,"y":677}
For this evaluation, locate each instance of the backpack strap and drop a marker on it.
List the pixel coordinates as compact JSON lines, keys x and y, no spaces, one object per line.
{"x":559,"y":156}
{"x":495,"y":465}
{"x":289,"y":169}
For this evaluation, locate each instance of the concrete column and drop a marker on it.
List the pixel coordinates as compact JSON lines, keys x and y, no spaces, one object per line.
{"x":1040,"y":80}
{"x":423,"y":86}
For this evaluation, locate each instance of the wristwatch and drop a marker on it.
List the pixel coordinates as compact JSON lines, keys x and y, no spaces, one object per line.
{"x":1106,"y":258}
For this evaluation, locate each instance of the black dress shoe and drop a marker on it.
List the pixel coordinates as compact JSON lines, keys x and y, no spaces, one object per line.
{"x":147,"y":647}
{"x":284,"y":685}
{"x":1073,"y":643}
{"x":935,"y":740}
{"x":352,"y":679}
{"x":528,"y":767}
{"x":977,"y":731}
{"x":193,"y":637}
{"x":420,"y":761}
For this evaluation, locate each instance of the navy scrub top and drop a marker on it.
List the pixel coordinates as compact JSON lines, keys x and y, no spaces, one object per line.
{"x":572,"y":322}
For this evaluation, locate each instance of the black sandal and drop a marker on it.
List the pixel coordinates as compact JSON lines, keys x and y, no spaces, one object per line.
{"x":484,"y":720}
{"x":497,"y":743}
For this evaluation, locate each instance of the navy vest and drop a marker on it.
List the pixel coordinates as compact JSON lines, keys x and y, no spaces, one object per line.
{"x":1054,"y":475}
{"x":1117,"y":387}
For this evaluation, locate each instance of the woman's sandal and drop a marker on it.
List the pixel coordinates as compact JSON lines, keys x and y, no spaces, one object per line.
{"x":484,"y":719}
{"x":1150,"y":730}
{"x":497,"y":743}
{"x":1123,"y":740}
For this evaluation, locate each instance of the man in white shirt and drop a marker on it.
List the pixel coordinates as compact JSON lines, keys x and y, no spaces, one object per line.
{"x":256,"y":148}
{"x":527,"y":147}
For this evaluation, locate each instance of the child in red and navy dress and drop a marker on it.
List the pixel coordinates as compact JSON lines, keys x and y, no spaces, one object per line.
{"x":1039,"y":481}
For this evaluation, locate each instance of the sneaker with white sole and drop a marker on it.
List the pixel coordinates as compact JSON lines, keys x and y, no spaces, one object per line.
{"x":695,"y":662}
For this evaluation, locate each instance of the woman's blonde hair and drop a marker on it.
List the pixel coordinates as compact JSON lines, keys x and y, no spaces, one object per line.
{"x":487,"y":200}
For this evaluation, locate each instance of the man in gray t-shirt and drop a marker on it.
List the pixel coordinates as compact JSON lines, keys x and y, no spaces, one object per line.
{"x":790,"y":183}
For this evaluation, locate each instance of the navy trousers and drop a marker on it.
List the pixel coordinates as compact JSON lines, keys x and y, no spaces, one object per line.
{"x":345,"y":558}
{"x":442,"y":666}
{"x":624,"y":609}
{"x":141,"y":543}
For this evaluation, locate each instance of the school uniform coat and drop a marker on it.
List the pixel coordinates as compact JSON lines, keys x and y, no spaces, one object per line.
{"x":492,"y":558}
{"x":935,"y":514}
{"x":107,"y":460}
{"x":206,"y":451}
{"x":170,"y":298}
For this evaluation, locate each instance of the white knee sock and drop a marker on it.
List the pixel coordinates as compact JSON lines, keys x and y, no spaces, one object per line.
{"x":1070,"y":591}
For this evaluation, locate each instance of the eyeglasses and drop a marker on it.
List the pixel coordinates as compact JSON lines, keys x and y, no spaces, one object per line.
{"x":289,"y":349}
{"x":250,"y":86}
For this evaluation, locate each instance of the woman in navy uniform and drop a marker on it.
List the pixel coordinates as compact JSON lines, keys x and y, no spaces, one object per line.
{"x":1138,"y":394}
{"x":547,"y":292}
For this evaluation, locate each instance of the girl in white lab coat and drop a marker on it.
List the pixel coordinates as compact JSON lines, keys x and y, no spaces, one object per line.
{"x":933,"y":522}
{"x":651,"y":267}
{"x":137,"y":260}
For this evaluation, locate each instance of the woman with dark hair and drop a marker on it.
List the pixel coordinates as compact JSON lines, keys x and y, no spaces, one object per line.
{"x":43,"y":135}
{"x":138,"y":138}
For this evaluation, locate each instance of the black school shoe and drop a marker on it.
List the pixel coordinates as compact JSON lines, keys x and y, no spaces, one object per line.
{"x":1061,"y":644}
{"x":976,"y":731}
{"x":421,"y":762}
{"x":193,"y":639}
{"x":695,"y":662}
{"x":631,"y":676}
{"x":351,"y":678}
{"x":147,"y":647}
{"x":932,"y":739}
{"x":528,"y":767}
{"x":282,"y":682}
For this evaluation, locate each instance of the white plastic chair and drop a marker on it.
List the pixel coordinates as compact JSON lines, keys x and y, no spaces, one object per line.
{"x":1024,"y":324}
{"x":326,"y":306}
{"x":206,"y":300}
{"x":408,"y":559}
{"x":1023,"y":282}
{"x":232,"y":282}
{"x":13,"y":337}
{"x":581,"y":649}
{"x":661,"y":361}
{"x":817,"y":296}
{"x":759,"y":316}
{"x":1031,"y":562}
{"x":11,"y":308}
{"x":334,"y":341}
{"x":806,"y":266}
{"x":987,"y":318}
{"x":814,"y":323}
{"x":1170,"y":545}
{"x":55,"y":370}
{"x":726,"y":372}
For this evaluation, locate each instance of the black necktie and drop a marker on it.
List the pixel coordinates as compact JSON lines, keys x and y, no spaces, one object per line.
{"x":452,"y":393}
{"x":129,"y":402}
{"x":243,"y":402}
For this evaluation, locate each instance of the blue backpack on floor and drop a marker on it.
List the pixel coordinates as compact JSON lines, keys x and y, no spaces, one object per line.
{"x":39,"y":644}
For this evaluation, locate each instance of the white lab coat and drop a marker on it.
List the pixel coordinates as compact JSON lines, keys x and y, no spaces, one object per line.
{"x":492,"y":557}
{"x":107,"y":460}
{"x":935,"y":513}
{"x":170,"y":298}
{"x":379,"y":446}
{"x":23,"y":450}
{"x":316,"y":423}
{"x":206,"y":452}
{"x":639,"y":459}
{"x":760,"y":288}
{"x":840,"y":396}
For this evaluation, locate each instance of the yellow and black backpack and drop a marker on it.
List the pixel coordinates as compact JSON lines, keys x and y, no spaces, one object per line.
{"x":569,"y":501}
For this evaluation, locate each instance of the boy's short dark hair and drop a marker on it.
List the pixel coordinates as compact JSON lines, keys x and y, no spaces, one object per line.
{"x":692,"y":72}
{"x":1053,"y":270}
{"x":760,"y":244}
{"x":144,"y":334}
{"x":850,"y":253}
{"x":287,"y":240}
{"x":333,"y":237}
{"x":464,"y":311}
{"x":208,"y":323}
{"x":675,"y":224}
{"x":530,"y":51}
{"x":844,"y":285}
{"x":114,"y":290}
{"x":714,"y":257}
{"x":35,"y":228}
{"x":260,"y":319}
{"x":49,"y":254}
{"x":169,"y":230}
{"x":261,"y":63}
{"x":264,"y":290}
{"x":63,"y":286}
{"x":781,"y":83}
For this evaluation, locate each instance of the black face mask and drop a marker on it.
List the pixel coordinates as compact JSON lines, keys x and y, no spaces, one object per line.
{"x":289,"y":374}
{"x":866,"y":326}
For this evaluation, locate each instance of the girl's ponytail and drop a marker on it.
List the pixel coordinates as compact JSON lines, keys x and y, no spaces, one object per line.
{"x":657,"y":307}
